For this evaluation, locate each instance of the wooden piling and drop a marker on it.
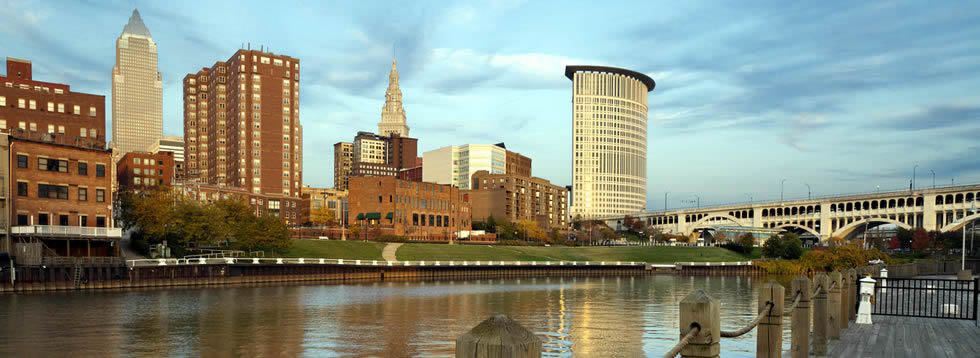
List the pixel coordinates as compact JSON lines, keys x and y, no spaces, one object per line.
{"x":845,"y":299}
{"x":800,"y":321}
{"x":833,"y":307}
{"x":498,"y":336}
{"x":820,"y":311}
{"x":700,"y":310}
{"x":769,"y":342}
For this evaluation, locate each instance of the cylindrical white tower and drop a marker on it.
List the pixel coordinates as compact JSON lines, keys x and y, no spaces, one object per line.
{"x":609,"y":140}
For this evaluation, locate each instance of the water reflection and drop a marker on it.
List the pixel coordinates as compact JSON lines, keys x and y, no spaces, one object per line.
{"x":598,"y":316}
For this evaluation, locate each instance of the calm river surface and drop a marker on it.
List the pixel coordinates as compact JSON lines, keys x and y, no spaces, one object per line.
{"x":587,"y":317}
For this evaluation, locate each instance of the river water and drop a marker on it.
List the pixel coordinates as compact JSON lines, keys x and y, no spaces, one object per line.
{"x":623,"y":316}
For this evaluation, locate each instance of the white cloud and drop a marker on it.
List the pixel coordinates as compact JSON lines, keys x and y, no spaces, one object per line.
{"x":523,"y":70}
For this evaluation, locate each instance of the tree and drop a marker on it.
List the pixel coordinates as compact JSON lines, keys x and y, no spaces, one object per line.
{"x":773,"y":247}
{"x":792,"y":246}
{"x":355,"y":231}
{"x":894,"y":244}
{"x":904,"y":237}
{"x":657,"y":234}
{"x":638,"y":225}
{"x":628,"y":221}
{"x":719,"y":237}
{"x":322,"y":216}
{"x":748,"y":242}
{"x":150,"y":211}
{"x":530,"y":230}
{"x":921,"y":240}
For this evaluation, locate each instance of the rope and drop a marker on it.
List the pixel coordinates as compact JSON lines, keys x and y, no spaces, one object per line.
{"x":816,"y":291}
{"x":796,"y":300}
{"x":731,"y":334}
{"x":832,"y":285}
{"x":683,"y":342}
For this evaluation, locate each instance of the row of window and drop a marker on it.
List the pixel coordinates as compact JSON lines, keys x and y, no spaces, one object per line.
{"x":60,"y":192}
{"x":32,"y":104}
{"x":83,"y":132}
{"x":58,"y":165}
{"x":46,"y":219}
{"x":36,"y":88}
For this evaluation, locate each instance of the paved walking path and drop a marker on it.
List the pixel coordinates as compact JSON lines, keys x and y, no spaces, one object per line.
{"x":389,"y":252}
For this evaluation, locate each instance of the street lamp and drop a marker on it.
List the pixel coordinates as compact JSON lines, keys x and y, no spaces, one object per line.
{"x":973,"y":210}
{"x":665,"y":200}
{"x":913,"y":175}
{"x":699,"y":200}
{"x":782,"y":185}
{"x":933,"y":178}
{"x":877,"y":188}
{"x":807,"y":190}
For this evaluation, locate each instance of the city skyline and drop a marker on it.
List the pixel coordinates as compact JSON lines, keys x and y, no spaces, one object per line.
{"x":734,"y":106}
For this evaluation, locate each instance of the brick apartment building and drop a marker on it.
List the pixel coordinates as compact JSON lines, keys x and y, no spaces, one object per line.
{"x":30,"y":108}
{"x":375,"y":155}
{"x":289,"y":209}
{"x":333,"y":199}
{"x":138,"y":170}
{"x":59,"y":173}
{"x":420,"y":211}
{"x":519,"y":198}
{"x":342,"y":165}
{"x":242,"y":127}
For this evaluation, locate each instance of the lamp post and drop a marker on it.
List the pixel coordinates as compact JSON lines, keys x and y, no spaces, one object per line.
{"x":782,"y":185}
{"x":933,"y":178}
{"x":877,"y":188}
{"x":699,"y":200}
{"x":973,"y":210}
{"x":808,"y":197}
{"x":913,"y":176}
{"x":665,"y":200}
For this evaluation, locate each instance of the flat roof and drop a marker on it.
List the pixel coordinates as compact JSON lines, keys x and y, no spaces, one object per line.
{"x":647,"y":81}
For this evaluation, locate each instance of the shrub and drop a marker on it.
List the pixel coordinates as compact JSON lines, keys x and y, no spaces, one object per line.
{"x":788,"y":246}
{"x":391,"y":238}
{"x":744,"y":245}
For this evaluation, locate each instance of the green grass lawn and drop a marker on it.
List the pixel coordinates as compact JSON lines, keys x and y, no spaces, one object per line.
{"x":334,"y":249}
{"x":359,"y":250}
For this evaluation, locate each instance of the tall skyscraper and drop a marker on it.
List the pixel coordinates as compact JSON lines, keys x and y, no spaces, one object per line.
{"x":241,"y":124}
{"x":393,"y":115}
{"x":609,"y":143}
{"x":342,"y":164}
{"x":137,"y":89}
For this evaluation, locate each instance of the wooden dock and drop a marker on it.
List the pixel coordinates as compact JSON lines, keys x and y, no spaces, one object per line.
{"x":899,"y":337}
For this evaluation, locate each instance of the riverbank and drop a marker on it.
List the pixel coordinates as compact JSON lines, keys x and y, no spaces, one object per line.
{"x":358,"y":250}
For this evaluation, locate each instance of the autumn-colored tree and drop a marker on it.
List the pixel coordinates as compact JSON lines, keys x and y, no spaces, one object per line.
{"x":921,"y":240}
{"x":322,"y":216}
{"x":530,"y":230}
{"x":894,"y":243}
{"x":720,"y":237}
{"x":355,"y":231}
{"x":149,"y":211}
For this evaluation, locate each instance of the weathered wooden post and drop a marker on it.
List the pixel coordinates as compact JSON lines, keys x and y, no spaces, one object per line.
{"x":833,"y":306}
{"x":498,"y":336}
{"x":700,"y":310}
{"x":820,"y":311}
{"x":800,"y":321}
{"x":769,"y":341}
{"x":845,"y":289}
{"x":852,"y":294}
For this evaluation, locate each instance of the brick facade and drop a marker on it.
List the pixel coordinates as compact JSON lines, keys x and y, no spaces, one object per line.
{"x":142,"y":169}
{"x":49,"y":111}
{"x":290,"y":210}
{"x":519,"y":198}
{"x":54,"y":184}
{"x":420,"y":211}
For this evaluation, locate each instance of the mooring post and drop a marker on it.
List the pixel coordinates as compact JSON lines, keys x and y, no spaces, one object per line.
{"x":800,"y":321}
{"x":498,"y":336}
{"x":845,"y":299}
{"x":852,"y":294}
{"x":820,"y":311}
{"x":833,"y":306}
{"x":769,"y":342}
{"x":700,"y":310}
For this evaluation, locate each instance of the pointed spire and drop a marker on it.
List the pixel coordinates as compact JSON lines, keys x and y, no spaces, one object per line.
{"x":136,"y":25}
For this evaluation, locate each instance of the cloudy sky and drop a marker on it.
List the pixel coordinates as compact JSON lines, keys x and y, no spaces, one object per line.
{"x":843,"y":96}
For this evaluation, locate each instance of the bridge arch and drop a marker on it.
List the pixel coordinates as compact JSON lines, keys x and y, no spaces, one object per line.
{"x":956,"y":225}
{"x":710,"y":217}
{"x":801,"y":227}
{"x":849,"y":229}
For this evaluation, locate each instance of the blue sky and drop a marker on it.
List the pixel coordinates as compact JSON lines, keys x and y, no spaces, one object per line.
{"x":844,"y":96}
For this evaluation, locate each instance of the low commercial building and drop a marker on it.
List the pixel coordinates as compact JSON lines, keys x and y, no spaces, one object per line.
{"x":289,"y":209}
{"x":61,"y":200}
{"x":333,"y":199}
{"x":418,"y":210}
{"x":174,"y":145}
{"x":137,"y":170}
{"x":519,"y":198}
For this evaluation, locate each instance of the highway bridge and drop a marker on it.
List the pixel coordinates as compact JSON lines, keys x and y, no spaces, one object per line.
{"x":943,"y":208}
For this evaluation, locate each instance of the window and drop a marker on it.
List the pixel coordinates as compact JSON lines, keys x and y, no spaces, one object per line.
{"x":91,"y":111}
{"x":82,"y":220}
{"x":82,"y":194}
{"x":33,"y":127}
{"x":33,"y":104}
{"x":42,"y":219}
{"x":91,"y":132}
{"x":22,"y":219}
{"x":21,"y":161}
{"x":3,"y":124}
{"x":100,"y":195}
{"x":52,"y":165}
{"x":3,"y":101}
{"x":50,"y":106}
{"x":21,"y":103}
{"x":100,"y":221}
{"x":52,"y":191}
{"x":61,"y":108}
{"x":63,"y":220}
{"x":51,"y":128}
{"x":100,"y":170}
{"x":61,"y":129}
{"x":137,"y":171}
{"x":76,"y":109}
{"x":82,"y":168}
{"x":21,"y":188}
{"x":84,"y":133}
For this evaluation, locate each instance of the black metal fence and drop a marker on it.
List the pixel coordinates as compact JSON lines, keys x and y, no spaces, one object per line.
{"x":926,"y":297}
